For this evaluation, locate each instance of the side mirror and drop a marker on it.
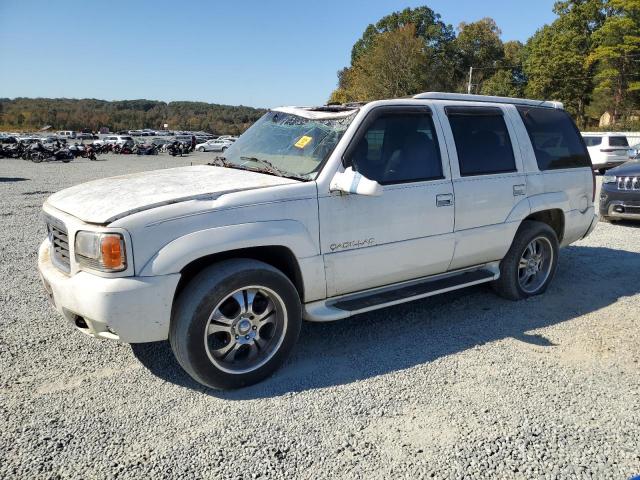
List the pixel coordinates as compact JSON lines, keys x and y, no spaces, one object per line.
{"x":354,"y":182}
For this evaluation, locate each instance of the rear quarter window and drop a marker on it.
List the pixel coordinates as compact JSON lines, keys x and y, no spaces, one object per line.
{"x":556,"y":141}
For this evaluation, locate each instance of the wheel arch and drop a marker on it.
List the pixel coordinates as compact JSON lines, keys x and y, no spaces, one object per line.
{"x":278,"y":256}
{"x":554,"y":217}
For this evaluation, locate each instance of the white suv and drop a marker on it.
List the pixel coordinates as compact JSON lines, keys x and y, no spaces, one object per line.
{"x":320,"y":213}
{"x":607,"y":150}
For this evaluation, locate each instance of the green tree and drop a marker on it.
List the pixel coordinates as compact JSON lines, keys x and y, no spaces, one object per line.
{"x":478,"y":45}
{"x":555,"y":56}
{"x":436,"y":39}
{"x":508,"y":79}
{"x":617,"y":58}
{"x":394,"y":66}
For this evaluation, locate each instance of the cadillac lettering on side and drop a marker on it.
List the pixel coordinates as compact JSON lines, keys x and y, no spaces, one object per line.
{"x":320,"y":213}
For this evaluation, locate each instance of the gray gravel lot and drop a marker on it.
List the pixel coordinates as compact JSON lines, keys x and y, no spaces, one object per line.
{"x":465,"y":385}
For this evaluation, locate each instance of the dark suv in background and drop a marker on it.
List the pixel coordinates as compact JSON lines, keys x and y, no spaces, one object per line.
{"x":620,"y":194}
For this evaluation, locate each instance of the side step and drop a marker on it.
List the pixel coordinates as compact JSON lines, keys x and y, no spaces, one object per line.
{"x":355,"y":303}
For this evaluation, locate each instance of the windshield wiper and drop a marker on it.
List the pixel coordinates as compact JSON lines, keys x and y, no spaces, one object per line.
{"x":268,"y":166}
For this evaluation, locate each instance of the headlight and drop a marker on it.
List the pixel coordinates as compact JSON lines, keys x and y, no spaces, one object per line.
{"x":609,"y":179}
{"x":101,"y":251}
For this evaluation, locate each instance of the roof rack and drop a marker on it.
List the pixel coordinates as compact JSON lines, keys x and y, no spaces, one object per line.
{"x":462,"y":97}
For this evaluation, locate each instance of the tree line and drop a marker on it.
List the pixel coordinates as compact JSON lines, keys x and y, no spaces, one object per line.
{"x":588,"y":58}
{"x":69,"y":114}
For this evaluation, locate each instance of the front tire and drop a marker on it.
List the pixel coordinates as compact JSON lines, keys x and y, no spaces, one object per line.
{"x":235,"y":323}
{"x":201,"y":149}
{"x":530,"y":264}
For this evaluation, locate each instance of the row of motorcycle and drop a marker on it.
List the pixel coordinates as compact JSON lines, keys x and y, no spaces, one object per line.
{"x":39,"y":152}
{"x":58,"y":151}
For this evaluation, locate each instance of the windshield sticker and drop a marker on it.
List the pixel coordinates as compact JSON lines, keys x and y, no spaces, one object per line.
{"x":303,"y":142}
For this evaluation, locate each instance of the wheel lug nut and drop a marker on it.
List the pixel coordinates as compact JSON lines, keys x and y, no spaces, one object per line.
{"x":247,"y":337}
{"x":236,"y":337}
{"x":254,"y":327}
{"x":251,"y":317}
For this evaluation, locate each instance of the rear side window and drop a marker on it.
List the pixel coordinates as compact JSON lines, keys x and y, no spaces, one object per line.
{"x":556,"y":140}
{"x":618,"y":142}
{"x":592,"y":141}
{"x":482,"y":140}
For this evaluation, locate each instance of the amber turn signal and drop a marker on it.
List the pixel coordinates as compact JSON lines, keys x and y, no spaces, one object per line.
{"x":112,"y":252}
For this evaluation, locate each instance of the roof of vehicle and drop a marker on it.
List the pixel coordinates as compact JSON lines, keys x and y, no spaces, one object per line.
{"x":603,"y":134}
{"x":326,"y":112}
{"x":463,"y":97}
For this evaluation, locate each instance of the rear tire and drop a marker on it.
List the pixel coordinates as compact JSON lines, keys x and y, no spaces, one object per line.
{"x":235,"y":323}
{"x":530,"y":264}
{"x":201,"y":149}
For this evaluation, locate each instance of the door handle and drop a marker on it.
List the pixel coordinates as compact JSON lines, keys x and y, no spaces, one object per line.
{"x":519,"y":190}
{"x":444,"y":200}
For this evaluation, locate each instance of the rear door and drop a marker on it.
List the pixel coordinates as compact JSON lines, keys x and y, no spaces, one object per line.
{"x":488,"y":180}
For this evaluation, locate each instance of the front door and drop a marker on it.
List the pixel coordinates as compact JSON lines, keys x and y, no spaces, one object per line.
{"x":406,"y":232}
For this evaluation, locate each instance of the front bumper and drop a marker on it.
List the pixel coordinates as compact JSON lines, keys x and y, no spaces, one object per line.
{"x":622,"y":204}
{"x":126,"y":309}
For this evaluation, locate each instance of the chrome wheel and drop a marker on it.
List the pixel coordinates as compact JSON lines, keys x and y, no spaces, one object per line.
{"x":535,"y":264}
{"x":245,"y":329}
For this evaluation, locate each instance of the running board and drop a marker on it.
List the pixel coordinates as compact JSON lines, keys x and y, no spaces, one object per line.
{"x":347,"y":305}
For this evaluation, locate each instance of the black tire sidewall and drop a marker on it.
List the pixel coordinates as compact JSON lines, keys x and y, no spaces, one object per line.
{"x":526,"y":235}
{"x":197,"y":301}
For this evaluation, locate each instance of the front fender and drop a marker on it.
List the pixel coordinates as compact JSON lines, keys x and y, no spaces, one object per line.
{"x":175,"y":255}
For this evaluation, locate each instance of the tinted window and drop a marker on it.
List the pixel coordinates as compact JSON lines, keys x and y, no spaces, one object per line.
{"x":555,"y":138}
{"x":399,"y":148}
{"x":592,"y":141}
{"x":482,"y":141}
{"x":618,"y":142}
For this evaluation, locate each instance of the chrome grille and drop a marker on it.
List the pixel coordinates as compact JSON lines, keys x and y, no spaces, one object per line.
{"x":59,"y":239}
{"x":628,"y":183}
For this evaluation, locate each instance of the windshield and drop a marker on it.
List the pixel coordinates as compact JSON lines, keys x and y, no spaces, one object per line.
{"x":294,"y":145}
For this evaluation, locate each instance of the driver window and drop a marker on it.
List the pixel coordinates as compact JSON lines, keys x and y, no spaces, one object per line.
{"x":399,"y":148}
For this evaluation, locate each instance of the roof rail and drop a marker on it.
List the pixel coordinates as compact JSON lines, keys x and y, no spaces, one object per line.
{"x":462,"y":97}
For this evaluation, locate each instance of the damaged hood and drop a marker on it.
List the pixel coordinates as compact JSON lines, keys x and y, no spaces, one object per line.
{"x":108,"y":199}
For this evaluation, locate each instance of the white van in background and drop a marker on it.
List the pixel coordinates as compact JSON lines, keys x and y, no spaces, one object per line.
{"x":66,"y":134}
{"x":607,"y":150}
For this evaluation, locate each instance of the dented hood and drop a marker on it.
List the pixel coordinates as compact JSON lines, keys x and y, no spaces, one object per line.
{"x":106,"y":200}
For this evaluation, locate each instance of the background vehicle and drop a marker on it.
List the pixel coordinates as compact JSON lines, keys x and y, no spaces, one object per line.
{"x":607,"y":150}
{"x":66,"y":134}
{"x":620,"y":193}
{"x":634,"y":151}
{"x":217,"y":145}
{"x":118,"y":140}
{"x":320,"y":213}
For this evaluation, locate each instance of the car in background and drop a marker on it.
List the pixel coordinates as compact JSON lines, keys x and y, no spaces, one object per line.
{"x":115,"y":140}
{"x":66,"y":134}
{"x":217,"y":145}
{"x":607,"y":150}
{"x":620,"y":193}
{"x":84,"y":136}
{"x":634,"y":151}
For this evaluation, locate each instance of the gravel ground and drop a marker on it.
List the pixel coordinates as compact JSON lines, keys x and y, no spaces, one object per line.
{"x":465,"y":385}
